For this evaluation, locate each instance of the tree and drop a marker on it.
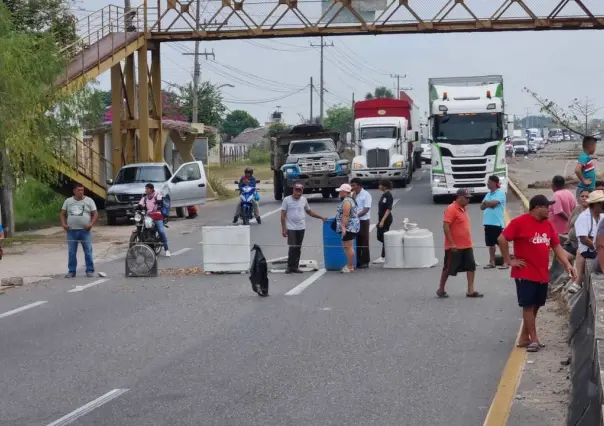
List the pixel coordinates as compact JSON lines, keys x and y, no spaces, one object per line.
{"x":578,"y":117}
{"x":211,"y":108}
{"x":44,"y":16}
{"x":339,"y":118}
{"x":34,"y":114}
{"x":380,"y":92}
{"x":237,"y":121}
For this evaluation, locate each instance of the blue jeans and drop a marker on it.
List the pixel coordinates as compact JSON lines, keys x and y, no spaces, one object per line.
{"x":161,"y":230}
{"x":75,"y":236}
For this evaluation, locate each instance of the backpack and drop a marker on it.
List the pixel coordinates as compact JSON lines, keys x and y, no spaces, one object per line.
{"x":259,"y":272}
{"x":165,"y":208}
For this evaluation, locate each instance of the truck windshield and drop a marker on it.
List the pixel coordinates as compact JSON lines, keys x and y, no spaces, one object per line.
{"x":141,"y":174}
{"x":468,"y":128}
{"x":378,"y":132}
{"x":310,"y":147}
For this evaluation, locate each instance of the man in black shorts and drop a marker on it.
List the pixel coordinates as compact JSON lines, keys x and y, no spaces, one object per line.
{"x":533,"y":236}
{"x":493,"y":207}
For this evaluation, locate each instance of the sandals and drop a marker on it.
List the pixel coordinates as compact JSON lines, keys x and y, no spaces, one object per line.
{"x":475,"y":295}
{"x":442,"y":295}
{"x":533,"y":347}
{"x":526,"y":345}
{"x":489,"y":266}
{"x":504,"y":267}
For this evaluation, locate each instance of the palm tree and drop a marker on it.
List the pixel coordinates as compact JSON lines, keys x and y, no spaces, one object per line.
{"x":380,"y":92}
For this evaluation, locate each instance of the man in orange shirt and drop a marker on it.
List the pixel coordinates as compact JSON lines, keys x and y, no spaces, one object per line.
{"x":459,"y":256}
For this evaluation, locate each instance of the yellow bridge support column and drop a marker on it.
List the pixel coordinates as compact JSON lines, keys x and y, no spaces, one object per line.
{"x":157,"y":134}
{"x":144,"y":148}
{"x":117,"y":101}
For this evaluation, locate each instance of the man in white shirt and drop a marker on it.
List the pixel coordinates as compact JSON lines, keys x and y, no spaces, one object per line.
{"x":363,"y":200}
{"x":586,"y":227}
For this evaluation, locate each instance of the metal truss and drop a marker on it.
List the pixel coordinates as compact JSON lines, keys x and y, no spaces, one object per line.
{"x":231,"y":19}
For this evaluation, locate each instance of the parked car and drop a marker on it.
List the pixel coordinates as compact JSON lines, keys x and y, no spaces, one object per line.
{"x":521,"y":146}
{"x":186,"y":187}
{"x":538,"y":141}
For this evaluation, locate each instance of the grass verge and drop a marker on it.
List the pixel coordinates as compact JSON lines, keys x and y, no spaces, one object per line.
{"x":36,"y":206}
{"x":234,"y":172}
{"x":220,"y":190}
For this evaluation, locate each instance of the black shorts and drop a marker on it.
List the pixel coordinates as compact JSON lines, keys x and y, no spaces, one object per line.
{"x":491,"y":233}
{"x":461,"y":260}
{"x":530,"y":293}
{"x":589,"y":254}
{"x":349,"y":236}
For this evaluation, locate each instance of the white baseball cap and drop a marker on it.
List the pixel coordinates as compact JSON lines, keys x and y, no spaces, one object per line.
{"x":344,"y":187}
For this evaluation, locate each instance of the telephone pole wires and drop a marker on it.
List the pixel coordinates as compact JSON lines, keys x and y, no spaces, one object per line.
{"x":321,"y":108}
{"x":398,"y":83}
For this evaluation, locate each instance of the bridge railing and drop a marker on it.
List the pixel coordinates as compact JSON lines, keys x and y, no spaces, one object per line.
{"x":81,"y":158}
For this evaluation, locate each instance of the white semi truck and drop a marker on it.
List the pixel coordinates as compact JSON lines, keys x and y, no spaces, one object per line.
{"x":467,"y":119}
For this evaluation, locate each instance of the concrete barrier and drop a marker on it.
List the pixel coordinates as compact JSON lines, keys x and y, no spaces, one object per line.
{"x":586,"y":329}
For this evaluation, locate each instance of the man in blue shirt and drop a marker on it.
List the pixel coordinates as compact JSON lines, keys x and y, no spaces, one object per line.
{"x":586,"y":166}
{"x":248,"y":179}
{"x":493,"y":207}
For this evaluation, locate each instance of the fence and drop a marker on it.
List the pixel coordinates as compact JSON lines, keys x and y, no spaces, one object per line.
{"x":233,"y":154}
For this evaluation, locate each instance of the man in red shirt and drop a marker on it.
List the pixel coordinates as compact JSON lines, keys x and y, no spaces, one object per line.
{"x":459,"y":256}
{"x":533,"y":236}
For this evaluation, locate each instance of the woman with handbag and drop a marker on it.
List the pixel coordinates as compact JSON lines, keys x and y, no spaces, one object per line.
{"x":347,"y":223}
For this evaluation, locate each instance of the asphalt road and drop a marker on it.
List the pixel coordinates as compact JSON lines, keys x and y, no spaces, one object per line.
{"x":373,"y":347}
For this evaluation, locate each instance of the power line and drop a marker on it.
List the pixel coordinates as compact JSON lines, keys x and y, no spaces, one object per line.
{"x":321,"y":82}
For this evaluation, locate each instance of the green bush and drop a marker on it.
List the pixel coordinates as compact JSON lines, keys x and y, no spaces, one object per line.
{"x":220,"y":190}
{"x":36,"y":205}
{"x":258,"y":156}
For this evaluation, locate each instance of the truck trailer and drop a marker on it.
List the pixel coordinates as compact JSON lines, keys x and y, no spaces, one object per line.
{"x":385,"y":141}
{"x":467,"y":118}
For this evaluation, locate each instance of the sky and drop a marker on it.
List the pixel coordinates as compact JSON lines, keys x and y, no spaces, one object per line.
{"x":271,"y":73}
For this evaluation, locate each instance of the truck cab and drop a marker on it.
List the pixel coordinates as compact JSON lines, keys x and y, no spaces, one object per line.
{"x":468,"y":120}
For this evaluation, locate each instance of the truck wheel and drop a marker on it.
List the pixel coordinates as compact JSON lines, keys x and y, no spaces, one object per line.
{"x":180,"y":212}
{"x":287,"y":191}
{"x":438,"y":199}
{"x":334,"y":193}
{"x":111,"y":219}
{"x":404,"y":182}
{"x":278,"y":185}
{"x":326,"y":193}
{"x":418,"y":161}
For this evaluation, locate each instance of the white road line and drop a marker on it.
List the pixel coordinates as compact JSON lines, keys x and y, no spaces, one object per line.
{"x":277,"y":259}
{"x":85,"y":409}
{"x":22,"y":308}
{"x":181,"y":251}
{"x":267,"y":214}
{"x":409,"y":188}
{"x":79,"y":288}
{"x":308,"y":281}
{"x":372,"y":227}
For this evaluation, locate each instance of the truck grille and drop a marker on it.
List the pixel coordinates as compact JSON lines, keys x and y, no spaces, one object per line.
{"x":129,"y":198}
{"x":314,"y":166}
{"x":469,"y":170}
{"x":378,"y":158}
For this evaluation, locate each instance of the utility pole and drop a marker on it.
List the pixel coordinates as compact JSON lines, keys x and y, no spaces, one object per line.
{"x":312,"y":87}
{"x":321,"y":90}
{"x":197,"y":67}
{"x":352,"y":139}
{"x":398,"y":83}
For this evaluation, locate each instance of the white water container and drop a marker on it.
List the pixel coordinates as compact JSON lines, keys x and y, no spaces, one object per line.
{"x":418,"y":249}
{"x":393,"y":245}
{"x":226,"y":248}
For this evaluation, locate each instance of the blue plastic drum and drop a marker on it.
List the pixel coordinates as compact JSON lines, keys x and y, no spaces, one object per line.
{"x":333,"y":252}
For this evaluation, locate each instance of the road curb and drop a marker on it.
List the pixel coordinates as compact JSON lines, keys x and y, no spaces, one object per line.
{"x":519,"y":194}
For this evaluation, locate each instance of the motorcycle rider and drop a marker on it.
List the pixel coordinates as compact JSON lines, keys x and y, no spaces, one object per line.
{"x":153,"y":201}
{"x":248,"y":179}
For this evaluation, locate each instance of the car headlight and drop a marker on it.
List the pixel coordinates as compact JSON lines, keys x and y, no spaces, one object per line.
{"x":439,"y":179}
{"x":137,"y":217}
{"x":111,"y":198}
{"x":357,"y":166}
{"x":398,"y":164}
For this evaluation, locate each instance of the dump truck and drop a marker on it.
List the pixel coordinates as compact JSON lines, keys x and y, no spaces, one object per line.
{"x":467,"y":117}
{"x":311,"y":155}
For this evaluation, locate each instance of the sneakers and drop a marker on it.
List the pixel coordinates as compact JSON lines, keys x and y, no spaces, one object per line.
{"x":236,"y":219}
{"x":90,"y":274}
{"x":168,"y":253}
{"x":258,"y":220}
{"x":379,"y":260}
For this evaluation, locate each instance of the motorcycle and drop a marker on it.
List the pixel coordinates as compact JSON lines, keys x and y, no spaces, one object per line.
{"x":146,"y":231}
{"x":247,"y":194}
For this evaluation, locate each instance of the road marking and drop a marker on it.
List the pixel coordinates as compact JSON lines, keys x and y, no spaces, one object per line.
{"x":499,"y":411}
{"x":267,"y":214}
{"x":277,"y":259}
{"x":22,"y":308}
{"x":79,"y":288}
{"x":181,"y":251}
{"x":91,"y":406}
{"x":308,"y":281}
{"x":409,"y":188}
{"x":372,"y":227}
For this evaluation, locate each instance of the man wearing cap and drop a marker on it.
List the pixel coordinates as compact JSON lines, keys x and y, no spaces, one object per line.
{"x":533,"y":236}
{"x":293,"y":225}
{"x":586,"y":228}
{"x":459,"y":255}
{"x":363,"y":200}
